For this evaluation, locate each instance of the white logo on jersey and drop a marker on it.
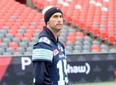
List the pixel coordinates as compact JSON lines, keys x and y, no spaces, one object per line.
{"x":44,"y":39}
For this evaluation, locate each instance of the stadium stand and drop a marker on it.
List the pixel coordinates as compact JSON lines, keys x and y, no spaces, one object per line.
{"x":88,"y":23}
{"x":95,"y":17}
{"x":90,"y":15}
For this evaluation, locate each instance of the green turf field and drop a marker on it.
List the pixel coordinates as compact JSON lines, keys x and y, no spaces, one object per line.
{"x":101,"y":83}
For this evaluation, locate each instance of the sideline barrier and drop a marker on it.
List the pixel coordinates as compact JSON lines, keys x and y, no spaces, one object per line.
{"x":17,"y":70}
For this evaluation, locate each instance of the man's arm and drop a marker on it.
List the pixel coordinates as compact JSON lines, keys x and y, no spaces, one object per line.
{"x":42,"y":56}
{"x":41,"y":73}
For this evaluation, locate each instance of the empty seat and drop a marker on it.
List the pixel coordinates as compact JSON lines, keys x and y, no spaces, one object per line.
{"x":6,"y":40}
{"x":76,"y":51}
{"x":10,"y":36}
{"x":103,"y":34}
{"x":17,"y":28}
{"x":13,"y":45}
{"x":18,"y":35}
{"x":95,"y":42}
{"x":68,"y":52}
{"x":69,"y":43}
{"x":3,"y":45}
{"x":72,"y":34}
{"x":36,"y":34}
{"x":103,"y":46}
{"x":23,"y":28}
{"x":29,"y":49}
{"x":7,"y":53}
{"x":111,"y":39}
{"x":20,"y":49}
{"x":86,"y":47}
{"x":95,"y":31}
{"x":23,"y":44}
{"x":104,"y":50}
{"x":37,"y":31}
{"x":0,"y":41}
{"x":31,"y":44}
{"x":26,"y":40}
{"x":18,"y":54}
{"x":70,"y":29}
{"x":95,"y":48}
{"x":87,"y":38}
{"x":80,"y":34}
{"x":33,"y":24}
{"x":85,"y":51}
{"x":78,"y":43}
{"x":69,"y":48}
{"x":35,"y":39}
{"x":9,"y":49}
{"x":28,"y":33}
{"x":12,"y":31}
{"x":79,"y":39}
{"x":2,"y":50}
{"x":22,"y":31}
{"x":62,"y":39}
{"x":17,"y":40}
{"x":112,"y":50}
{"x":2,"y":36}
{"x":86,"y":42}
{"x":28,"y":54}
{"x":78,"y":47}
{"x":3,"y":31}
{"x":63,"y":33}
{"x":6,"y":27}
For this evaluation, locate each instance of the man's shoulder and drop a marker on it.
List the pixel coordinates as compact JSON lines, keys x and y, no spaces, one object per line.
{"x":42,"y":50}
{"x":43,"y":42}
{"x":44,"y":39}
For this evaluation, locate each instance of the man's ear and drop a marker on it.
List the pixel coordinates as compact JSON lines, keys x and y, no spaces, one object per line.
{"x":48,"y":22}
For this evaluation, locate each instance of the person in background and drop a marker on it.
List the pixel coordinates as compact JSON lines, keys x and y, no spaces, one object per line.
{"x":48,"y":57}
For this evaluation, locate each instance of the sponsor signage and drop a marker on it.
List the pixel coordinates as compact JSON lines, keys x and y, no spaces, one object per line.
{"x":81,"y":68}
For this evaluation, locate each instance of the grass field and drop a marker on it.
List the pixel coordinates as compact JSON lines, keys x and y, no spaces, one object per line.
{"x":101,"y":83}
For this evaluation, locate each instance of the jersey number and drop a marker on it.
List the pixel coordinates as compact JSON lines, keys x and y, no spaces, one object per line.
{"x":61,"y":65}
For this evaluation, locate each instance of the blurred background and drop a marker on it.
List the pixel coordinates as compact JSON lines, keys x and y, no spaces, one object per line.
{"x":88,"y":33}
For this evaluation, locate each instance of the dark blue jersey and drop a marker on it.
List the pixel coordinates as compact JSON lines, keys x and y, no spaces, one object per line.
{"x":52,"y":54}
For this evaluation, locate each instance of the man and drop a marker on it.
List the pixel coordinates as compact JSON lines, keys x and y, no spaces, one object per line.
{"x":49,"y":60}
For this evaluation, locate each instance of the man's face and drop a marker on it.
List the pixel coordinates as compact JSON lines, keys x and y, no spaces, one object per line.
{"x":55,"y":22}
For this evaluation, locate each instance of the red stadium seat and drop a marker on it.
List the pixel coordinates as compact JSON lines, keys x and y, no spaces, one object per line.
{"x":13,"y":45}
{"x":95,"y":48}
{"x":95,"y":31}
{"x":72,"y":34}
{"x":111,"y":39}
{"x":103,"y":34}
{"x":28,"y":35}
{"x":12,"y":31}
{"x":90,"y":18}
{"x":70,"y":39}
{"x":0,"y":41}
{"x":18,"y":35}
{"x":79,"y":34}
{"x":38,"y":3}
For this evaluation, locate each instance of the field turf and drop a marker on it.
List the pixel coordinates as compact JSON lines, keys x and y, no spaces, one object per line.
{"x":100,"y":83}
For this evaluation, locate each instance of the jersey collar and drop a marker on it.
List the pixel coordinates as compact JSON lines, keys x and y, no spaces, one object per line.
{"x":50,"y":34}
